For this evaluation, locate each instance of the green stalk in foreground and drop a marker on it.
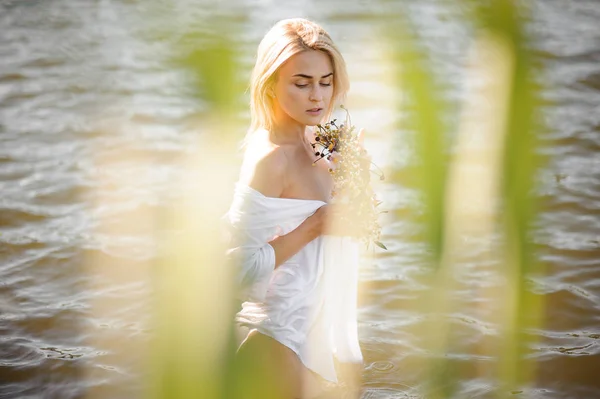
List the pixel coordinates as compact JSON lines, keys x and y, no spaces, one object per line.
{"x":504,"y":118}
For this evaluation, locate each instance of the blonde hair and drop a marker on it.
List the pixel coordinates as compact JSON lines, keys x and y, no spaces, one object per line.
{"x":285,"y":39}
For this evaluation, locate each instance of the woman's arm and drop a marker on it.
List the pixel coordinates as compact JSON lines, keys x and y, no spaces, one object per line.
{"x":290,"y":244}
{"x":269,"y":178}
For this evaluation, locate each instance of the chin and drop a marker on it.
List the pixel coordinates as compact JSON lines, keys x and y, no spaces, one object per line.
{"x":309,"y":120}
{"x":315,"y":121}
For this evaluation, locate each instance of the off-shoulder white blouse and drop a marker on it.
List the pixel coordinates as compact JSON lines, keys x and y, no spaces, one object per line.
{"x":308,"y":303}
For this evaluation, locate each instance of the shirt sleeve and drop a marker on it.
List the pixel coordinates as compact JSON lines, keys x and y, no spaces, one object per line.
{"x":252,"y":258}
{"x":254,"y":266}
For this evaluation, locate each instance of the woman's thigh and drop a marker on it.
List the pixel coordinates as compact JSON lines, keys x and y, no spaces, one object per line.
{"x":268,"y":369}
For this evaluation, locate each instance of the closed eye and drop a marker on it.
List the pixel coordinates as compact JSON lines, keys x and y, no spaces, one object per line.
{"x":322,"y":84}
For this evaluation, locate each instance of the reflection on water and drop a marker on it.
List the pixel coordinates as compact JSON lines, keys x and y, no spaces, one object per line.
{"x":92,"y":127}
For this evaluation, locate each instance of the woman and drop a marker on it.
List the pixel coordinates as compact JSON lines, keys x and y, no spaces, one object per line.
{"x":297,"y":333}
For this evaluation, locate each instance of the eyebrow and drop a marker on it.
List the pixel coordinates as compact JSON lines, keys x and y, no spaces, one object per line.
{"x":310,"y":77}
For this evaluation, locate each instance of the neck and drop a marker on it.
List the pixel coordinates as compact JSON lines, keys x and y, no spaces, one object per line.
{"x":287,"y":130}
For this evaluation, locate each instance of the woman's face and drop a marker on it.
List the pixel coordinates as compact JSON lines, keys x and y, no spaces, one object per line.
{"x":304,"y":88}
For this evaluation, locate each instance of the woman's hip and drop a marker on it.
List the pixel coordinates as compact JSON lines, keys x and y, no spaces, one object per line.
{"x":269,"y":368}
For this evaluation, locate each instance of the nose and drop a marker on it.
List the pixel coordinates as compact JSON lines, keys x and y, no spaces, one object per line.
{"x":316,"y":94}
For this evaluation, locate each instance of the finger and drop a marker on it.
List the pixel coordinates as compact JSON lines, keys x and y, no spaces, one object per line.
{"x":361,"y":137}
{"x":335,"y":157}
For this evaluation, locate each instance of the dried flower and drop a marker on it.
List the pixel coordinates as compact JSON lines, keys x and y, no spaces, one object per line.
{"x":351,"y":177}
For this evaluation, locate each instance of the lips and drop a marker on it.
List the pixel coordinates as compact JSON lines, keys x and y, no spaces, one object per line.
{"x":314,"y":110}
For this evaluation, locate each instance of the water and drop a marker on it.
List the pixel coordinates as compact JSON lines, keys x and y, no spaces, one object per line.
{"x":93,"y":123}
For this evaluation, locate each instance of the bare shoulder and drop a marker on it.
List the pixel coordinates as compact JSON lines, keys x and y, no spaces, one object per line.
{"x":264,"y":168}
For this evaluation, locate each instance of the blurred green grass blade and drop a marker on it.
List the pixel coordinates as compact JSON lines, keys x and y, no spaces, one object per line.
{"x":521,"y":163}
{"x":213,"y":64}
{"x":194,"y":351}
{"x":425,"y":110}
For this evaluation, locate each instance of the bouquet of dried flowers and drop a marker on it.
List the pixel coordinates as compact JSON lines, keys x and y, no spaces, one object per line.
{"x":351,"y":175}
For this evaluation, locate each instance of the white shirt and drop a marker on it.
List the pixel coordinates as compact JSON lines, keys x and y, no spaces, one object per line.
{"x":309,"y":302}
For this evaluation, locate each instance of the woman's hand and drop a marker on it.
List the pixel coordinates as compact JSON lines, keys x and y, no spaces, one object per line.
{"x":366,"y":158}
